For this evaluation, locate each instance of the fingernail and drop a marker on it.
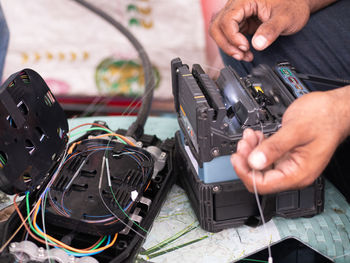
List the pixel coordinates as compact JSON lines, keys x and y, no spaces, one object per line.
{"x":243,"y":48}
{"x":236,"y":56}
{"x":260,"y":41}
{"x":257,"y":160}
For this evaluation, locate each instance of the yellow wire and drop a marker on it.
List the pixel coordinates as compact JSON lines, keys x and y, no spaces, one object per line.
{"x":116,"y":135}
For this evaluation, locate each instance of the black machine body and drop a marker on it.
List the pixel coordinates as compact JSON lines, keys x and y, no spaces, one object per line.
{"x":212,"y":116}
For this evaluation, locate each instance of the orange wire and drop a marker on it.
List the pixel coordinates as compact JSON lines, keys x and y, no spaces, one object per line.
{"x":63,"y":244}
{"x":15,"y":233}
{"x":111,"y":223}
{"x":25,"y":224}
{"x":85,"y":124}
{"x":98,"y":241}
{"x":59,"y":243}
{"x":116,"y":135}
{"x":70,"y":150}
{"x":97,"y":137}
{"x":99,"y":125}
{"x":70,"y":157}
{"x":37,"y":238}
{"x":147,"y":186}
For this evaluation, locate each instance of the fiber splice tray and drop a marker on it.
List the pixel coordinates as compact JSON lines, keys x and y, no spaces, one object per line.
{"x":89,"y":180}
{"x":212,"y":116}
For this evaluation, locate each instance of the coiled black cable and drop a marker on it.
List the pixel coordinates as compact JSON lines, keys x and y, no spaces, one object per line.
{"x":136,"y":128}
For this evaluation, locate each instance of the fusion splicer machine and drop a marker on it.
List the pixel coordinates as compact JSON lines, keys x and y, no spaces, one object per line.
{"x":212,"y":116}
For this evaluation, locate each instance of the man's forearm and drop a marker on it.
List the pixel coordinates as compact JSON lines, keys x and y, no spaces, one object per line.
{"x":316,"y":5}
{"x":341,"y":98}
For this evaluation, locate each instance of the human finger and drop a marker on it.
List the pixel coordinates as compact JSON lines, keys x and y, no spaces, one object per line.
{"x":271,"y":181}
{"x":222,"y":41}
{"x":250,"y":137}
{"x":244,"y":148}
{"x":260,"y":136}
{"x":230,"y":25}
{"x":239,"y":164}
{"x":268,"y":32}
{"x":274,"y":147}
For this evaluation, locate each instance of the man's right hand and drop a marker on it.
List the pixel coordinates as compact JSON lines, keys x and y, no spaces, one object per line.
{"x":266,"y":19}
{"x":292,"y":158}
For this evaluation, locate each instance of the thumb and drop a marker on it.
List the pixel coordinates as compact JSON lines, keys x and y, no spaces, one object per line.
{"x":268,"y":32}
{"x":273,"y":148}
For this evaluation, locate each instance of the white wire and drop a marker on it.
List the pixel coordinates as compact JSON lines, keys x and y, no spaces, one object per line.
{"x":270,"y":260}
{"x":344,"y":255}
{"x":262,"y":218}
{"x":104,"y":203}
{"x":44,"y":226}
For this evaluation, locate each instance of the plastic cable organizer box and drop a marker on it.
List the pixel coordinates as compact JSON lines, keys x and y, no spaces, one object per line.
{"x":97,"y":173}
{"x":212,"y":116}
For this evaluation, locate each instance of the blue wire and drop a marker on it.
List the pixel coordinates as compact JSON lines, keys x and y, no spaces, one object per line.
{"x":88,"y":254}
{"x":58,"y":206}
{"x":98,"y":216}
{"x":128,"y":205}
{"x":93,"y":150}
{"x":74,"y":253}
{"x":148,"y":172}
{"x":98,"y":149}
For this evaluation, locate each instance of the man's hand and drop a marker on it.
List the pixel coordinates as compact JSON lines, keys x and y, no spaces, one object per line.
{"x":292,"y":158}
{"x":266,"y":19}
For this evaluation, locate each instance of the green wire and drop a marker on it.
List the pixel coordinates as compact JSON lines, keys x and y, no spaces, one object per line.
{"x":30,"y":222}
{"x":90,"y":129}
{"x":169,"y":240}
{"x":99,"y":244}
{"x":34,"y":230}
{"x":95,"y":129}
{"x":254,"y":260}
{"x":115,"y":199}
{"x":175,"y":248}
{"x":2,"y":160}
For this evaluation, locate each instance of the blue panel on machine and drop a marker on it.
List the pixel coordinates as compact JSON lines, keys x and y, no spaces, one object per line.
{"x":219,"y":169}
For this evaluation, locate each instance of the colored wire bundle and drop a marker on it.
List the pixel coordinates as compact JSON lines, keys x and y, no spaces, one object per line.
{"x":43,"y":238}
{"x":93,"y":148}
{"x":135,"y":129}
{"x":24,"y":77}
{"x":74,"y":251}
{"x":2,"y":160}
{"x":94,"y":145}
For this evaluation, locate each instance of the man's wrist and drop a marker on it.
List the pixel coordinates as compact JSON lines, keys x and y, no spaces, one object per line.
{"x":341,"y":97}
{"x":316,"y":5}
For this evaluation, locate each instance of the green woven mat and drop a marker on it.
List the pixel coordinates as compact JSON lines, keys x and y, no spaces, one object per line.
{"x":328,"y":232}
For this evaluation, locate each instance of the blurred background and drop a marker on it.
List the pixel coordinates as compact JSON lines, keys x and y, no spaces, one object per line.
{"x":91,"y":67}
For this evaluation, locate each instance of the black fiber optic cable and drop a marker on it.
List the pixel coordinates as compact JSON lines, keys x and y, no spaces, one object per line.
{"x":136,"y":128}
